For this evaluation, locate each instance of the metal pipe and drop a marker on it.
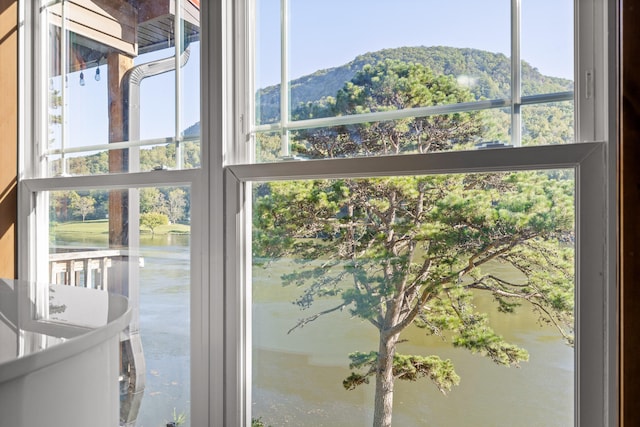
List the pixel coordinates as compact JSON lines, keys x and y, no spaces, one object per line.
{"x":131,"y":87}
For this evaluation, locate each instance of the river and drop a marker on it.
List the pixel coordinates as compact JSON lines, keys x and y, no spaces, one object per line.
{"x":164,"y":323}
{"x":297,"y":377}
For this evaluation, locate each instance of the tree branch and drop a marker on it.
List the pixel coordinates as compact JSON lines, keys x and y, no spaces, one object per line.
{"x":530,"y":299}
{"x":566,"y":336}
{"x":310,"y":319}
{"x":497,"y":279}
{"x":490,"y":256}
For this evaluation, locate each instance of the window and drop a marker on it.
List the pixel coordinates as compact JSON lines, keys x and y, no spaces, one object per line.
{"x":370,"y":67}
{"x":320,"y":97}
{"x":389,"y":98}
{"x":112,"y":176}
{"x":322,"y":302}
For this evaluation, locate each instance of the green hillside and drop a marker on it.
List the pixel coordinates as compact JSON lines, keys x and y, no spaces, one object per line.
{"x":487,"y":75}
{"x":476,"y":75}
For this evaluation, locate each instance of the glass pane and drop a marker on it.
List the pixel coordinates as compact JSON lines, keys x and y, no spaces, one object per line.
{"x":429,"y":286}
{"x":380,"y":58}
{"x":269,"y":147}
{"x":368,"y":33}
{"x":466,"y":130}
{"x":547,"y":46}
{"x":545,"y":124}
{"x":365,"y":33}
{"x":268,"y":57}
{"x":113,"y":76}
{"x":149,"y":262}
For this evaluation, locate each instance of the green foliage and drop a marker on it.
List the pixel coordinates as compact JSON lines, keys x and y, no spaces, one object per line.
{"x":60,"y":205}
{"x":95,"y":164}
{"x":475,"y":334}
{"x":387,"y":86}
{"x":152,"y":200}
{"x":411,"y":249}
{"x":82,"y":206}
{"x":257,"y":422}
{"x":165,"y":156}
{"x":268,"y":147}
{"x":176,"y":204}
{"x":153,"y":220}
{"x":65,"y":205}
{"x":548,"y":124}
{"x":405,"y":367}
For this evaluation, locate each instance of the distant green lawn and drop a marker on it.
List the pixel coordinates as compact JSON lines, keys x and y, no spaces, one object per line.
{"x":102,"y":227}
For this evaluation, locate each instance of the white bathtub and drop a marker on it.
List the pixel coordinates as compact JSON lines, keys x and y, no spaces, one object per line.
{"x":59,"y":355}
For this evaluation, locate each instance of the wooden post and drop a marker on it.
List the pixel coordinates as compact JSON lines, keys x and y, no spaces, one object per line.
{"x":8,"y":136}
{"x":117,"y":65}
{"x":124,"y":277}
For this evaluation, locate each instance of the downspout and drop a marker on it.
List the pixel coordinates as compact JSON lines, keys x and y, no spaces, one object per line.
{"x":132,"y":352}
{"x":131,"y":87}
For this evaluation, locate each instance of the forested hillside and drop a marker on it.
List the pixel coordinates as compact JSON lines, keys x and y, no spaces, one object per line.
{"x":486,"y":74}
{"x":483,"y":75}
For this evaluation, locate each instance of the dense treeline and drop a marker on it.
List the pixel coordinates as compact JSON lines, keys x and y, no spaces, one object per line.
{"x":173,"y":203}
{"x":91,"y":205}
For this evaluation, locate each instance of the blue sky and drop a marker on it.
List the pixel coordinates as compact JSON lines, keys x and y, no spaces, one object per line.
{"x":321,"y":37}
{"x":330,"y":33}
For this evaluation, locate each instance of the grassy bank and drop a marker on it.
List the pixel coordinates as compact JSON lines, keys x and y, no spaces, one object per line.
{"x":98,"y":227}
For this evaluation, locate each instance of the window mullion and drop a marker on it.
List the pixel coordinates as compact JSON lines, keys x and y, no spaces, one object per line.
{"x":133,"y":143}
{"x":178,"y":42}
{"x":516,"y":74}
{"x":113,"y":181}
{"x":415,"y":112}
{"x":284,"y":78}
{"x":63,"y":86}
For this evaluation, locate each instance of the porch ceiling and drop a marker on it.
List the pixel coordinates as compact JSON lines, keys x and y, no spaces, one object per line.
{"x":129,"y":27}
{"x":156,"y":22}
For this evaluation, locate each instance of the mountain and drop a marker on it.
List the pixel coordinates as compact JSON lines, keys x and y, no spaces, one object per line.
{"x":193,"y":130}
{"x":487,"y":74}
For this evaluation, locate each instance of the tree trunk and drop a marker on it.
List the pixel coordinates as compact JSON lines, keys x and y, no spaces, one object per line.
{"x":383,"y":402}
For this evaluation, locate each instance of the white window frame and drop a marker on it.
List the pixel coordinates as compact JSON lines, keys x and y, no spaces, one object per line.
{"x":33,"y":261}
{"x":586,"y":129}
{"x":594,"y":297}
{"x":220,"y":372}
{"x":34,"y":185}
{"x":593,"y":160}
